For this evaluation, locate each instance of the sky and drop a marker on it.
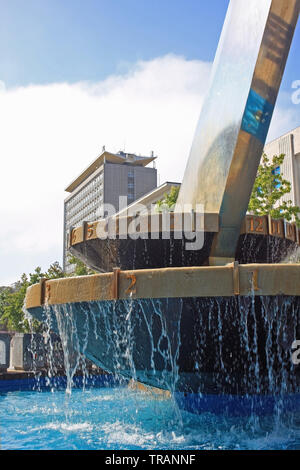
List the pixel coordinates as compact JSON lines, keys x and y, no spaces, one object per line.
{"x":74,"y":76}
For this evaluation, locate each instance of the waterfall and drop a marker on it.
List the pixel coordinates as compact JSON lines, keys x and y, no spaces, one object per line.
{"x":217,"y":353}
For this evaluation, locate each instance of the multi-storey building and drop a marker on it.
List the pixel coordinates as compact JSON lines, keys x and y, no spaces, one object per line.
{"x":103,"y":182}
{"x":289,"y":145}
{"x":149,"y":200}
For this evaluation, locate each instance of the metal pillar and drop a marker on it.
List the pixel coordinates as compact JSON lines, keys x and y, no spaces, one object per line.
{"x":236,"y":114}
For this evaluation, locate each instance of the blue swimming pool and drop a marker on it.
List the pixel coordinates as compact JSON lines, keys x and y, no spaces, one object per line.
{"x":120,"y":418}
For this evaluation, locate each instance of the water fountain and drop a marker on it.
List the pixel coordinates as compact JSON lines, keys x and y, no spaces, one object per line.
{"x":216,"y":325}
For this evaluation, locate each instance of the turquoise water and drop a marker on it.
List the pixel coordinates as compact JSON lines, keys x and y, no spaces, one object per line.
{"x":120,"y":418}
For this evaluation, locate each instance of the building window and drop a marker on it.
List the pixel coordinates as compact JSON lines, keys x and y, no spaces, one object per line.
{"x":130,"y":186}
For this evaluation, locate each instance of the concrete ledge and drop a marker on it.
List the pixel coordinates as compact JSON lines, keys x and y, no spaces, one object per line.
{"x":252,"y":224}
{"x":203,"y":281}
{"x":154,"y":222}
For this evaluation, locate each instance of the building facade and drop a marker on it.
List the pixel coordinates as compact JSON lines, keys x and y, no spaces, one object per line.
{"x":289,"y":145}
{"x":149,"y":199}
{"x":101,"y":184}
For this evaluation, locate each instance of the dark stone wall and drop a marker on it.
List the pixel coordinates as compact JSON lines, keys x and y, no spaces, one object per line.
{"x":104,"y":255}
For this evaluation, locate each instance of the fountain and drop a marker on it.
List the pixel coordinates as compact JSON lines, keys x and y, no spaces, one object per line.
{"x":199,"y":302}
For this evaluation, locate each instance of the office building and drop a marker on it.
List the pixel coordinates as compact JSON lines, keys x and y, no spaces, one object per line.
{"x":149,"y":199}
{"x":103,"y":182}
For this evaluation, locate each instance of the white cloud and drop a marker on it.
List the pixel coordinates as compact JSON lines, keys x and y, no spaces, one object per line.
{"x":50,"y":133}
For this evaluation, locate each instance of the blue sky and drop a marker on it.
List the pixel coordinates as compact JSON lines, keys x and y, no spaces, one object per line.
{"x":79,"y":74}
{"x":43,"y":41}
{"x":47,"y":41}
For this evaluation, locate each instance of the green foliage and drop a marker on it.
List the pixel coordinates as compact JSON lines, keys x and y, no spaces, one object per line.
{"x":4,"y":292}
{"x":12,"y":299}
{"x":269,"y":188}
{"x":169,"y":200}
{"x":12,"y":306}
{"x":55,"y":271}
{"x":81,"y":269}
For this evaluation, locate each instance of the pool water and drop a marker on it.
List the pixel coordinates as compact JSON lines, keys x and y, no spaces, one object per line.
{"x":119,"y":418}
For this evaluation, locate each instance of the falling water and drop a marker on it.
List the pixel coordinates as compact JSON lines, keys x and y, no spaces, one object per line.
{"x":254,"y":248}
{"x":50,"y":349}
{"x":243,"y":344}
{"x":238,"y":347}
{"x":74,"y":345}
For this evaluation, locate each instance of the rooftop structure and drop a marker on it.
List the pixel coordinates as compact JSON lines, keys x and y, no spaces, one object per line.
{"x":101,"y":184}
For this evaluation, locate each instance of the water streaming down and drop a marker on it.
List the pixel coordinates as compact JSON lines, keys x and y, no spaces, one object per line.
{"x":254,"y":248}
{"x":135,"y":340}
{"x":67,"y":328}
{"x":230,"y":357}
{"x":125,"y":418}
{"x":235,"y":347}
{"x":220,"y":356}
{"x":53,"y":349}
{"x":33,"y":350}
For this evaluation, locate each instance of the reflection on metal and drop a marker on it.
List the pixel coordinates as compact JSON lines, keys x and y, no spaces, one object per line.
{"x":236,"y":115}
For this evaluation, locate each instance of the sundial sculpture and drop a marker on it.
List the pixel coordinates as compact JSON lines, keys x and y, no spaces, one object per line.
{"x":217,"y":333}
{"x":235,"y":118}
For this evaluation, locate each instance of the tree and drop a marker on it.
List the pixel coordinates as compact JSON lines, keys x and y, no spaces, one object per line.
{"x":12,"y":299}
{"x":81,"y":269}
{"x":4,"y":291}
{"x":55,"y":271}
{"x":11,"y":313}
{"x":167,"y":203}
{"x":269,"y":188}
